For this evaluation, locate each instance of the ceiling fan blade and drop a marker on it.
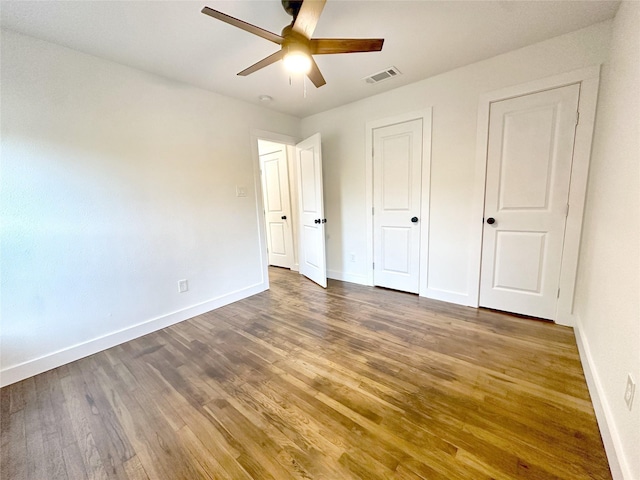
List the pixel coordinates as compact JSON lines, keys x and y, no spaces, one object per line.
{"x":273,"y":58}
{"x":315,"y":76}
{"x":325,"y":46}
{"x":272,"y":37}
{"x":308,"y":17}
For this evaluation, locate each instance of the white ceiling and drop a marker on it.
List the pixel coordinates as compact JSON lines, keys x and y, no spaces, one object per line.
{"x":422,"y":38}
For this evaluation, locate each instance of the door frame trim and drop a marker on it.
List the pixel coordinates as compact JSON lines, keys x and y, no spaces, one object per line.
{"x":257,"y":186}
{"x":426,"y":116}
{"x":588,"y":79}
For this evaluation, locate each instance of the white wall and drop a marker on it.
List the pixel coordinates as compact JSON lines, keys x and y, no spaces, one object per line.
{"x":115,"y":185}
{"x":454,"y":96}
{"x":607,"y":299}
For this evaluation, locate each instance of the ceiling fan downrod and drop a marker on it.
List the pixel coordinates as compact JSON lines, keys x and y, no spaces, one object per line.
{"x":292,"y":7}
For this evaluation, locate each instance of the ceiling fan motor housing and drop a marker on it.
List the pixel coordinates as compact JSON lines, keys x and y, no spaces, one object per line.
{"x":292,"y":40}
{"x":292,"y":7}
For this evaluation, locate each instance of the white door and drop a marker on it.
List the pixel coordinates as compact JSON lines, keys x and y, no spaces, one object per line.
{"x":529,"y":157}
{"x":397,"y":168}
{"x":277,"y":207}
{"x":312,"y":220}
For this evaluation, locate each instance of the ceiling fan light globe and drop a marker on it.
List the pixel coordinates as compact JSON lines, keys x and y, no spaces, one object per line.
{"x":297,"y":62}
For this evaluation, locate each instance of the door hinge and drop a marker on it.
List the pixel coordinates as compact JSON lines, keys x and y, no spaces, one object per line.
{"x":567,"y":212}
{"x":558,"y":294}
{"x":577,"y":118}
{"x":372,"y":210}
{"x":374,"y":265}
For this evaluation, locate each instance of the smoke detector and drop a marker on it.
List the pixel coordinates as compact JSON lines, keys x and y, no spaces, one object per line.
{"x":383,"y":75}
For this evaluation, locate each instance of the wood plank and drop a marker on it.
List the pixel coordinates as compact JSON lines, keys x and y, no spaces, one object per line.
{"x":53,"y":452}
{"x":84,"y":440}
{"x":17,"y":461}
{"x":34,"y":432}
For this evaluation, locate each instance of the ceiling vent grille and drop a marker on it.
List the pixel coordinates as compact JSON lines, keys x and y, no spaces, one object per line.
{"x":383,"y":75}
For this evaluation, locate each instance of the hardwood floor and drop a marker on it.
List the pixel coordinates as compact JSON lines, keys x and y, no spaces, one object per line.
{"x":303,"y":383}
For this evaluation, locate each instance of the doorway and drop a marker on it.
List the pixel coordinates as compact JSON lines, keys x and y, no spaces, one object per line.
{"x":529,"y":158}
{"x":398,"y":186}
{"x":288,"y":180}
{"x":397,"y":170}
{"x":277,"y":202}
{"x":524,"y":220}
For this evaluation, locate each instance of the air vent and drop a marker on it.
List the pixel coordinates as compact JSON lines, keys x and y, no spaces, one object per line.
{"x":383,"y":75}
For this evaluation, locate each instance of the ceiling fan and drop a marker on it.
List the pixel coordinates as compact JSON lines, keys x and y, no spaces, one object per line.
{"x":296,"y":44}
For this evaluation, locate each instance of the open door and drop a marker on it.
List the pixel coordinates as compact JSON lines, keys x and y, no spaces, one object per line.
{"x":312,"y":221}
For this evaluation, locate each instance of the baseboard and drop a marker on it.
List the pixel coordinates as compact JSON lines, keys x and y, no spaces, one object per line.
{"x":612,"y":444}
{"x":447,"y":296}
{"x":33,"y":367}
{"x":565,"y":319}
{"x":348,"y":277}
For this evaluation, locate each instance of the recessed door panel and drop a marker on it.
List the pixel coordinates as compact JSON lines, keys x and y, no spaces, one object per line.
{"x":309,"y":193}
{"x":396,"y":245}
{"x":310,"y":239}
{"x":271,"y":171}
{"x":276,"y":231}
{"x":396,"y":175}
{"x":529,"y":157}
{"x":519,"y":261}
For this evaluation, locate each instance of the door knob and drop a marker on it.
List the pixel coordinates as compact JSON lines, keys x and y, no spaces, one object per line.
{"x":317,"y":220}
{"x":324,"y":220}
{"x":283,"y":217}
{"x":414,"y":219}
{"x":491,"y":220}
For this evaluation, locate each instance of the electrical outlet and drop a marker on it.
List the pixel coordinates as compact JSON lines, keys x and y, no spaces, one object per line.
{"x":629,"y":392}
{"x":183,"y":286}
{"x":241,"y":191}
